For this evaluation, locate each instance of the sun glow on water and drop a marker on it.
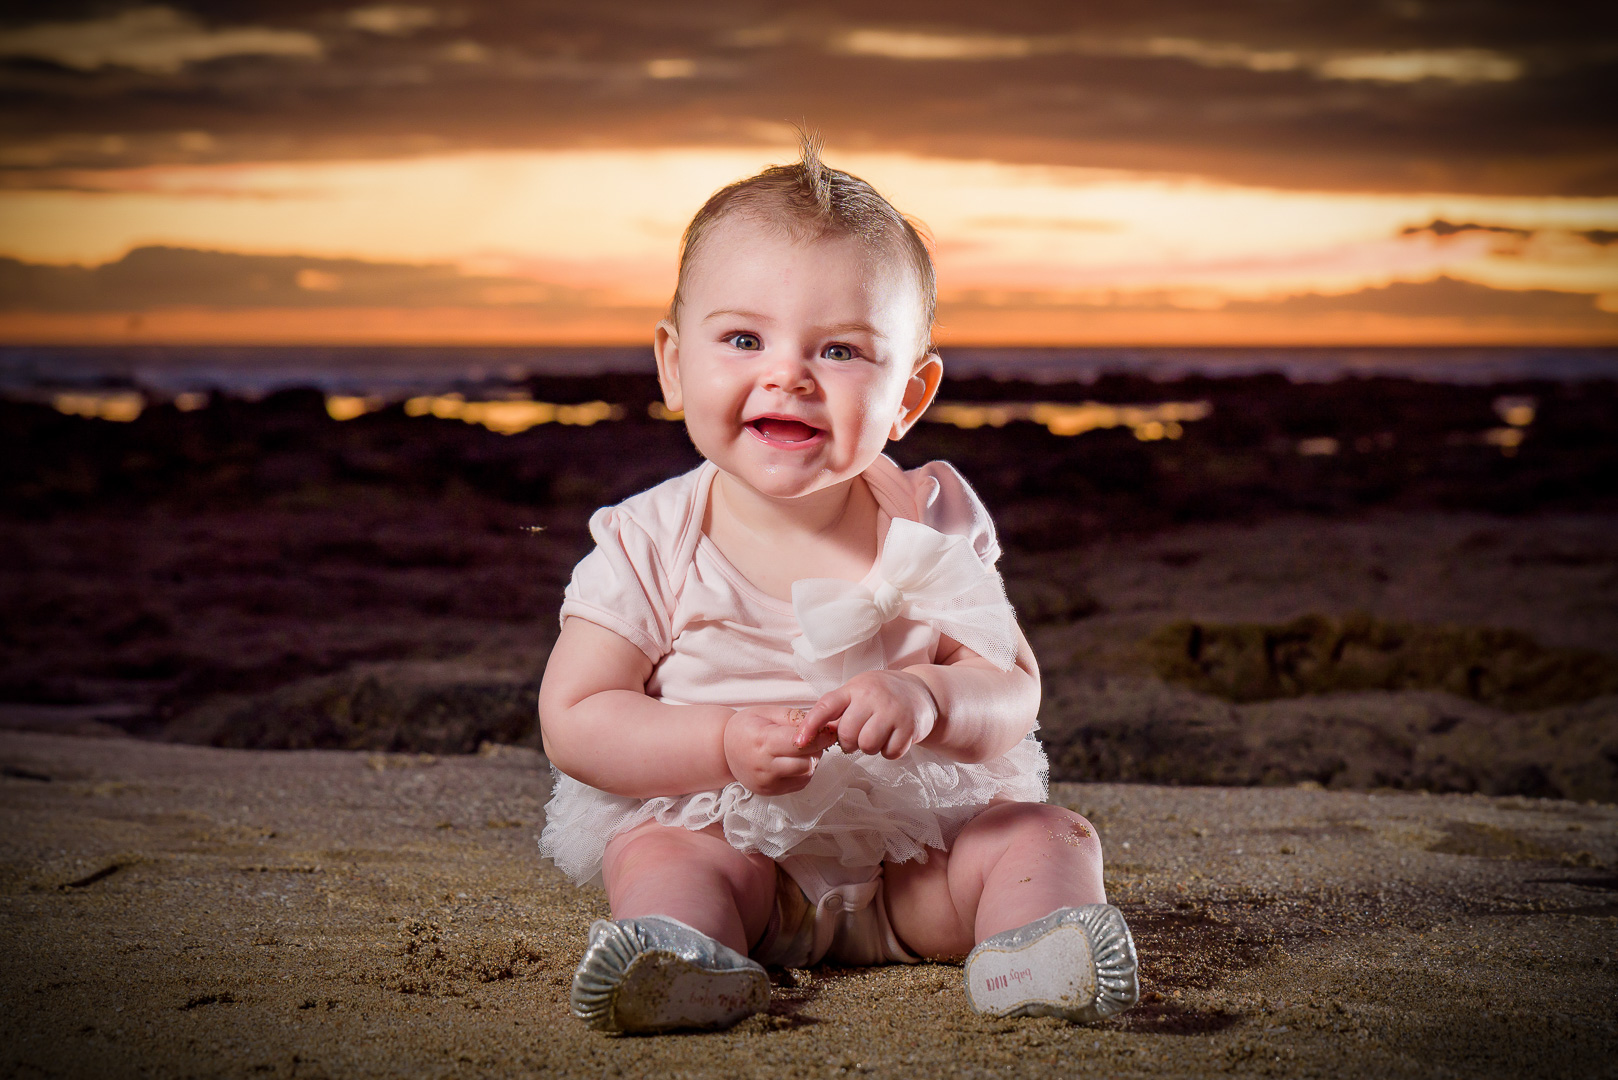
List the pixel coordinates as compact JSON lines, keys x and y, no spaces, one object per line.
{"x":510,"y":417}
{"x":122,"y":406}
{"x":1148,"y":422}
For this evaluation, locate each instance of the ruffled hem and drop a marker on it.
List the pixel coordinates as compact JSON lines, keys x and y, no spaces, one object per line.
{"x":859,"y":809}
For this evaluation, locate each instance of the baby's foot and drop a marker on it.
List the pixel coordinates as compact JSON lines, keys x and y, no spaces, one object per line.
{"x":1077,"y":963}
{"x":658,"y":974}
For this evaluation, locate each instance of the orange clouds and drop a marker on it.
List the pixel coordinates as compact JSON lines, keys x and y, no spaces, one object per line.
{"x":579,"y":246}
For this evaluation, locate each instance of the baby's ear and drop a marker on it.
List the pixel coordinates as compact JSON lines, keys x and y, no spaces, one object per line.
{"x":919,"y":393}
{"x":666,"y":344}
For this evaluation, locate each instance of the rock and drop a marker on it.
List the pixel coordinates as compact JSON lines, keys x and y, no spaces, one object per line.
{"x":1047,"y":590}
{"x":1315,"y":654}
{"x":1119,"y":728}
{"x":1042,"y":600}
{"x":440,"y":708}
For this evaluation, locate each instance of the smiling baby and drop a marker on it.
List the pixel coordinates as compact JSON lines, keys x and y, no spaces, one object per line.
{"x":790,"y":709}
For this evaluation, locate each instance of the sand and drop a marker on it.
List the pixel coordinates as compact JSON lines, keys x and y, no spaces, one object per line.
{"x":191,"y":911}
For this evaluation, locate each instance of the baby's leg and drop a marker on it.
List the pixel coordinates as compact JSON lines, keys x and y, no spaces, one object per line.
{"x":1023,"y":883}
{"x":1012,"y":864}
{"x":688,"y":968}
{"x":695,"y":877}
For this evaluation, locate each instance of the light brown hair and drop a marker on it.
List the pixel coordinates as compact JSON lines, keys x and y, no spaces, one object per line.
{"x":813,"y":201}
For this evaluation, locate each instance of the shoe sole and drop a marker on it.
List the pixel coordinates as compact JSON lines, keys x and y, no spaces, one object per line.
{"x":661,"y":991}
{"x":1055,"y":973}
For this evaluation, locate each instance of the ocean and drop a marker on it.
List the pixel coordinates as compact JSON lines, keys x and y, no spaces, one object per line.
{"x":391,"y":372}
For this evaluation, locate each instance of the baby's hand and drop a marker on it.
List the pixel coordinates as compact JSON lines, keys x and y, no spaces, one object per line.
{"x":764,"y":751}
{"x":879,"y":712}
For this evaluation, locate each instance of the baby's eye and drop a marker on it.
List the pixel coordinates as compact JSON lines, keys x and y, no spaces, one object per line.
{"x":750,"y":342}
{"x":838,"y":352}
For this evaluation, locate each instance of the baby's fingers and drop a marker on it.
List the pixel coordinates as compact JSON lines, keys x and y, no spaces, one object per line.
{"x":823,"y":713}
{"x":788,"y":774}
{"x":853,"y":727}
{"x":794,"y":766}
{"x":875,"y":736}
{"x":785,"y":741}
{"x":897,"y":746}
{"x":823,"y":741}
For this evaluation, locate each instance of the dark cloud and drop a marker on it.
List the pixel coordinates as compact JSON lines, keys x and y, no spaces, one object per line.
{"x":160,"y":277}
{"x":1446,"y":297}
{"x":157,"y":279}
{"x":1440,"y":298}
{"x":1440,"y":227}
{"x":1252,"y":90}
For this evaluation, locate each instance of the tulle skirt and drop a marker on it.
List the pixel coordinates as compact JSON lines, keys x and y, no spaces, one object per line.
{"x":859,"y":809}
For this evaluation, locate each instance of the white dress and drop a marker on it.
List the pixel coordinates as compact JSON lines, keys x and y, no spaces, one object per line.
{"x":715,"y":639}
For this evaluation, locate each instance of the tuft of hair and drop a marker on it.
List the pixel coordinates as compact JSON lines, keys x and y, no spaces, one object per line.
{"x":816,"y":180}
{"x":810,"y":200}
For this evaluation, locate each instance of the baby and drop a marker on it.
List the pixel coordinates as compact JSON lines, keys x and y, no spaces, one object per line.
{"x":790,"y":709}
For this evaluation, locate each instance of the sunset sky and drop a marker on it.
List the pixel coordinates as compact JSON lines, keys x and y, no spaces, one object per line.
{"x":1154,"y":172}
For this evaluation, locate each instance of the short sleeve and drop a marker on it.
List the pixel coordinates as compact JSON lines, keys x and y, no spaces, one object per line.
{"x":622,"y":585}
{"x":948,"y":503}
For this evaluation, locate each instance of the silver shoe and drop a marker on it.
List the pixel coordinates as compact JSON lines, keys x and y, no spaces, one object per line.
{"x":1077,"y":963}
{"x":658,"y":974}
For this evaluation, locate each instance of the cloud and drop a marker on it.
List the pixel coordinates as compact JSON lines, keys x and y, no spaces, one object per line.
{"x":1466,"y":65}
{"x":392,"y":20}
{"x":166,"y":277}
{"x":158,"y":277}
{"x":613,"y":218}
{"x":1490,"y":96}
{"x":1547,"y":255}
{"x":176,"y":295}
{"x":1041,"y":224}
{"x":1439,"y":298}
{"x":1209,"y":53}
{"x":1453,"y":65}
{"x":1442,"y":312}
{"x":918,"y":45}
{"x":155,"y":40}
{"x":1441,"y":228}
{"x":1447,"y":297}
{"x":677,"y":67}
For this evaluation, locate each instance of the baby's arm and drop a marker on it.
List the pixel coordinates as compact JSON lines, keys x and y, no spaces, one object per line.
{"x":602,"y":729}
{"x":961,"y":706}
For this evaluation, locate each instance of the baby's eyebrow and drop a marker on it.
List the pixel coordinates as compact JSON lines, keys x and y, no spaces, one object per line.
{"x":854,"y":328}
{"x":735,"y":313}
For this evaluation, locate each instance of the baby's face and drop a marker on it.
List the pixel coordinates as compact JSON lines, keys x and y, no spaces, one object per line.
{"x":794,"y":362}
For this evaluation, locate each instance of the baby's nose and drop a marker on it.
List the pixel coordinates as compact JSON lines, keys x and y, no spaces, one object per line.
{"x":789,"y":374}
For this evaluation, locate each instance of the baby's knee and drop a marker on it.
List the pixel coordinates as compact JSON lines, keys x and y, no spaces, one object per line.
{"x":653,"y":850}
{"x":1021,"y":823}
{"x":645,"y":845}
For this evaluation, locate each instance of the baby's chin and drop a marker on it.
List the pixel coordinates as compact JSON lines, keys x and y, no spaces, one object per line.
{"x":785,"y":484}
{"x":788,"y":482}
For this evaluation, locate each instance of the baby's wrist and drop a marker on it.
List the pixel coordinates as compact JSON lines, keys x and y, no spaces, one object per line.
{"x":724,"y":745}
{"x":930,"y":713}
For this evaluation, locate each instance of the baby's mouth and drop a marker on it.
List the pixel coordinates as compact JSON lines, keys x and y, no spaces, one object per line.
{"x":781,"y":429}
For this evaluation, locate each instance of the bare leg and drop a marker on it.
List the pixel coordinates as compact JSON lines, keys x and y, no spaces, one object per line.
{"x":1012,"y":864}
{"x":695,"y":877}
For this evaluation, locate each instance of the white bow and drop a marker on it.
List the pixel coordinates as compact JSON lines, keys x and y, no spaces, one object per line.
{"x":926,"y":576}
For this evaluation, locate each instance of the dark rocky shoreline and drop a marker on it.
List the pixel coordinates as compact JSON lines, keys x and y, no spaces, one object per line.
{"x":257,"y":574}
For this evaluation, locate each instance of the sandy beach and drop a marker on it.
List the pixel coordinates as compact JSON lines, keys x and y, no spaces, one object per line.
{"x":190,"y":911}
